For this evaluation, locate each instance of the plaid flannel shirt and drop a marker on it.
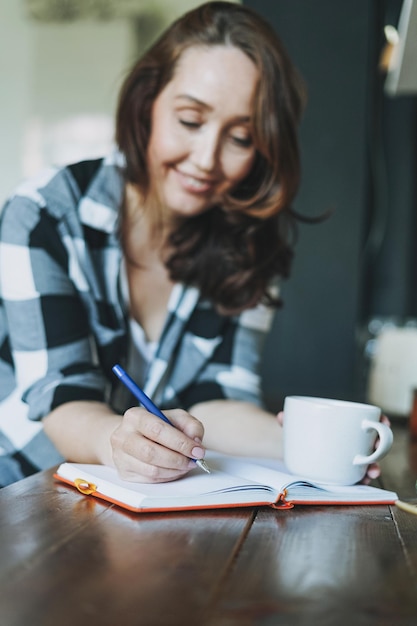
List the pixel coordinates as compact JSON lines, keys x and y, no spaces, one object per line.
{"x":63,"y":321}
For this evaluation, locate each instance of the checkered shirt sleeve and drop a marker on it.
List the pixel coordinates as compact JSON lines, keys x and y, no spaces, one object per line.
{"x":59,"y":324}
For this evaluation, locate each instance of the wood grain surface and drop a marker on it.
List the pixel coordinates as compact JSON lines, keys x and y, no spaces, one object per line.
{"x":70,"y":559}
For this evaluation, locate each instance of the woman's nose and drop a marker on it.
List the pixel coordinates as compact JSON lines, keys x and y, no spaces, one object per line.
{"x":206,"y":152}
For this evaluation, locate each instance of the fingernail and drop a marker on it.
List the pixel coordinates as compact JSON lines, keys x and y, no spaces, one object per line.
{"x":197,"y":453}
{"x":198,"y":440}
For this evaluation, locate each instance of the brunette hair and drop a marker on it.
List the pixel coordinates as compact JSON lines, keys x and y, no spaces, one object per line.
{"x":232,"y":251}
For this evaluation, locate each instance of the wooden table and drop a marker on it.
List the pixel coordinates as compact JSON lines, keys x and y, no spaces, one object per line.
{"x":67,"y":559}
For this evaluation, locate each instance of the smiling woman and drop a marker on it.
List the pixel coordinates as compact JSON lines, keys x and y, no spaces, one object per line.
{"x":160,"y":256}
{"x":200,"y":146}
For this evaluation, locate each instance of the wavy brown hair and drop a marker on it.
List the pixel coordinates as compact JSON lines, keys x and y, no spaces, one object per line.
{"x":231,"y":252}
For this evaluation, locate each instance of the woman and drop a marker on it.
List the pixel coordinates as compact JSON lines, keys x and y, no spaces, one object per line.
{"x":160,"y":257}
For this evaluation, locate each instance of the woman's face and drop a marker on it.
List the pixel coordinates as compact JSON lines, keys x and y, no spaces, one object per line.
{"x":201,"y":145}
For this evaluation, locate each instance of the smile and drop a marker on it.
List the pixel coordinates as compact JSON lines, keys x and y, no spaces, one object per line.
{"x":195,"y":185}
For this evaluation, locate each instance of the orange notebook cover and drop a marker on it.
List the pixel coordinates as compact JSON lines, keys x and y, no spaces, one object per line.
{"x":233,"y":482}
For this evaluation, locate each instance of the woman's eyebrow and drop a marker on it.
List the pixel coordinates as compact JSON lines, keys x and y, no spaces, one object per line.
{"x":193,"y":100}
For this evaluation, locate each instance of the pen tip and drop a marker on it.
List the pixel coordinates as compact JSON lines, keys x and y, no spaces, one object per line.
{"x":203,"y":465}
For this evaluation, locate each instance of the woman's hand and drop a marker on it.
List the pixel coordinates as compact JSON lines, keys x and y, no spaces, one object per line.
{"x":146,"y":449}
{"x":373,"y":470}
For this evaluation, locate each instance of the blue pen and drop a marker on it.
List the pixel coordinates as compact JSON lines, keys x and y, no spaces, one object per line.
{"x":149,"y":405}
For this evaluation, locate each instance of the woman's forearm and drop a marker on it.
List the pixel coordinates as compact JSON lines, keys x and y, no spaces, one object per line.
{"x":239,"y":428}
{"x":81,"y":431}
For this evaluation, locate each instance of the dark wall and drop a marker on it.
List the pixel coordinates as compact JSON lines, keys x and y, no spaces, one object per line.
{"x":358,"y":158}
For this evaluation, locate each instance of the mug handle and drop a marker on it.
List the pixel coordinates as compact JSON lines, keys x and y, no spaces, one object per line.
{"x":386,"y":438}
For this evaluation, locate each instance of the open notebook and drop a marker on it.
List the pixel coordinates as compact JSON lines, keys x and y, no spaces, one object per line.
{"x":233,"y":482}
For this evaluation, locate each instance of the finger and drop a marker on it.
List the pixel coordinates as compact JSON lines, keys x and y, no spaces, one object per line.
{"x":164,"y":453}
{"x":154,"y":429}
{"x":280,"y":417}
{"x":138,"y":471}
{"x":135,"y":457}
{"x":373,"y":471}
{"x":385,"y":420}
{"x":187,"y":423}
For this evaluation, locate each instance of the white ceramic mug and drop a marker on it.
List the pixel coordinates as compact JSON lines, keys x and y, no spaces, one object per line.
{"x":332,"y":441}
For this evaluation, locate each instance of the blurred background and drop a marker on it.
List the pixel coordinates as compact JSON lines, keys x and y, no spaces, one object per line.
{"x":348,"y":327}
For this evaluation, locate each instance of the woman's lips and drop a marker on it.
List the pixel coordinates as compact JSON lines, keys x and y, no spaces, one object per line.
{"x":195,"y":184}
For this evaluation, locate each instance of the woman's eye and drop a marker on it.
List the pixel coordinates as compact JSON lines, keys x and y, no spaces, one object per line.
{"x":189,"y":123}
{"x":243,"y":142}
